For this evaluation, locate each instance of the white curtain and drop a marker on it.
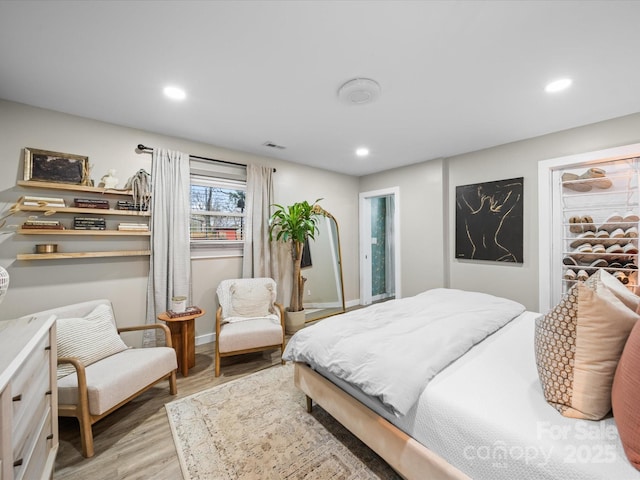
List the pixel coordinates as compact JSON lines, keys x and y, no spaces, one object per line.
{"x":258,"y":250}
{"x":170,"y":264}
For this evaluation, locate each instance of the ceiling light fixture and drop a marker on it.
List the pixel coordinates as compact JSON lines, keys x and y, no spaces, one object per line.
{"x":362,"y":152}
{"x":359,"y":91}
{"x":175,"y":93}
{"x":558,"y":85}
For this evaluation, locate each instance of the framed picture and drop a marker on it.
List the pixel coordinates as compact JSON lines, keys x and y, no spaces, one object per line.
{"x":489,"y":221}
{"x":56,"y":167}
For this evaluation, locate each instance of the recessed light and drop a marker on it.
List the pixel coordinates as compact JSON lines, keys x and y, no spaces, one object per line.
{"x":175,"y":93}
{"x":362,"y":152}
{"x":558,"y":85}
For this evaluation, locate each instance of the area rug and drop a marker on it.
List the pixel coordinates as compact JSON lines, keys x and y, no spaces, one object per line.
{"x":257,"y":427}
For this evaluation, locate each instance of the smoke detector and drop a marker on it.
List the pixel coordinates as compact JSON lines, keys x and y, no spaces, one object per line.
{"x":359,"y":91}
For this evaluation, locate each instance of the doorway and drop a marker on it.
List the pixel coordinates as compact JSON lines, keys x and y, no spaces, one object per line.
{"x":379,"y":245}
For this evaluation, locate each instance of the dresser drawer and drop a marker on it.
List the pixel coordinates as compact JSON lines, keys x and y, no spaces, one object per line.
{"x":35,"y":455}
{"x":38,"y":404}
{"x":30,"y":384}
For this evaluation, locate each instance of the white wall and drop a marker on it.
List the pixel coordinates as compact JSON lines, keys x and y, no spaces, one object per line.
{"x":421,"y":222}
{"x":39,"y":285}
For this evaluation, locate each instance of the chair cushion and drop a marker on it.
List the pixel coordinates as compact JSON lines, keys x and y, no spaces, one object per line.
{"x":247,"y":297}
{"x":578,"y":345}
{"x":117,"y":377}
{"x":89,"y":338}
{"x":261,"y":332}
{"x":625,"y":395}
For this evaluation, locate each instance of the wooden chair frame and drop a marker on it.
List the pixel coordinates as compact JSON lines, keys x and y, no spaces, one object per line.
{"x":81,"y":409}
{"x":219,"y":355}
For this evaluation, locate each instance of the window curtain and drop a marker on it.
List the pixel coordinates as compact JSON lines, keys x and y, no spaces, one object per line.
{"x":170,"y":263}
{"x":258,"y":250}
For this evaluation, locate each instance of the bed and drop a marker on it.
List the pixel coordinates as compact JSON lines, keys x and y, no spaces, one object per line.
{"x":482,"y":416}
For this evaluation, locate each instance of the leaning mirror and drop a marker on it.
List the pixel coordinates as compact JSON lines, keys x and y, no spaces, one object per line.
{"x":322,"y":268}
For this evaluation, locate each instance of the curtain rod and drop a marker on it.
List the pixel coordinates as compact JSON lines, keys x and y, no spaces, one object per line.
{"x":142,"y":148}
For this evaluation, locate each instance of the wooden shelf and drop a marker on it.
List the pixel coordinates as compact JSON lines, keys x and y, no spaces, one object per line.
{"x":115,"y":233}
{"x":72,"y":188}
{"x":92,"y":211}
{"x":59,"y":255}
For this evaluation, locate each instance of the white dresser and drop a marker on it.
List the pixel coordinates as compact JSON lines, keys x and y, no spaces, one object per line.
{"x":28,"y":398}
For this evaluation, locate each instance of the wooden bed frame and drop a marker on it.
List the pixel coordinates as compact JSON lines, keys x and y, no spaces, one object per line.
{"x":404,"y":454}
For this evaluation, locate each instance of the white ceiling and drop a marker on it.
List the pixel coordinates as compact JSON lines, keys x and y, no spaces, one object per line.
{"x":456,"y":76}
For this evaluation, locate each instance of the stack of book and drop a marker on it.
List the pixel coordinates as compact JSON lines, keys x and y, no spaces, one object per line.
{"x":133,"y":227}
{"x":129,"y":205}
{"x":42,"y":225}
{"x":89,"y":223}
{"x":42,"y":202}
{"x":188,"y":311}
{"x":90,"y":203}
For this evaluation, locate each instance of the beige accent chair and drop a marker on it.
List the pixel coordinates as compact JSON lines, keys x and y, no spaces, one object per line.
{"x":98,"y":389}
{"x":248,"y":319}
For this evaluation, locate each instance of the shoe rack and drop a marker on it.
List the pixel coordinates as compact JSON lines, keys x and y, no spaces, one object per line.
{"x":599,"y":205}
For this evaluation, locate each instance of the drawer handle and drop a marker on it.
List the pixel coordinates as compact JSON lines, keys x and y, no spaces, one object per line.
{"x":50,"y":436}
{"x":17,"y":398}
{"x":17,"y":463}
{"x":48,"y":392}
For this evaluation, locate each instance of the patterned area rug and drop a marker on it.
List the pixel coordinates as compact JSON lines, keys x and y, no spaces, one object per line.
{"x":257,"y":427}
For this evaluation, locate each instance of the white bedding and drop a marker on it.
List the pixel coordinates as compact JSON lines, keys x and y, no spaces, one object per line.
{"x":392,"y":350}
{"x":486,"y":415}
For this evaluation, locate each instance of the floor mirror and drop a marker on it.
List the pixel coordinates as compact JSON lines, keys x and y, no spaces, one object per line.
{"x":322,"y":268}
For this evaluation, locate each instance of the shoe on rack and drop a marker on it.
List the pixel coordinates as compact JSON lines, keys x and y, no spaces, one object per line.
{"x":598,"y":248}
{"x":617,"y":233}
{"x":568,"y":260}
{"x":621,"y":276}
{"x":582,"y":275}
{"x":612,"y":222}
{"x":630,"y":249}
{"x":575,"y":224}
{"x":631,"y":232}
{"x":587,"y":224}
{"x":569,"y":275}
{"x":585,"y":237}
{"x":574,"y":182}
{"x":615,"y":264}
{"x":631,"y":217}
{"x":598,"y":178}
{"x":599,"y":263}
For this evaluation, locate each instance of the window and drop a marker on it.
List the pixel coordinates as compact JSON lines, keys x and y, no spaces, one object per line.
{"x":217,"y":210}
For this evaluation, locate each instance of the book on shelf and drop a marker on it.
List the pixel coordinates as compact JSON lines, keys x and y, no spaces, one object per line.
{"x":89,"y":227}
{"x":43,"y":222}
{"x":28,"y":226}
{"x":188,"y":311}
{"x":104,"y":206}
{"x":124,"y":228}
{"x":30,"y":201}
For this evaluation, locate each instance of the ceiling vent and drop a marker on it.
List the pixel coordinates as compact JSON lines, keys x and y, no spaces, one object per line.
{"x":274,"y":145}
{"x":359,"y":91}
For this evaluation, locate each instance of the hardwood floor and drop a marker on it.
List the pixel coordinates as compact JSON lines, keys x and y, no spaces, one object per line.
{"x":135,"y":441}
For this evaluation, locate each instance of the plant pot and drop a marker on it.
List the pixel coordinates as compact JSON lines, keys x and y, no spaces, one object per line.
{"x":293,"y":321}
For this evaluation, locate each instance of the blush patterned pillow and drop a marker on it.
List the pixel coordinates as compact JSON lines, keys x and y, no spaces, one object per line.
{"x":578,"y":345}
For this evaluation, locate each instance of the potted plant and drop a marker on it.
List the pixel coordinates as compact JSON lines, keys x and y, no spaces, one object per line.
{"x":295,"y":224}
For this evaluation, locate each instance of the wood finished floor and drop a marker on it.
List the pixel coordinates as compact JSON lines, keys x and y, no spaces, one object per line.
{"x":135,"y":441}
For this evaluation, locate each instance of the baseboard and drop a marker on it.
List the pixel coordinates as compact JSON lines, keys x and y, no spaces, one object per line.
{"x":206,"y":338}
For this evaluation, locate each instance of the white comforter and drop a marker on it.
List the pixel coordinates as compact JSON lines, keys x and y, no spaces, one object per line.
{"x":392,"y":350}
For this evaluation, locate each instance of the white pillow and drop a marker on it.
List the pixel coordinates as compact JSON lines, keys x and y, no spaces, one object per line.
{"x":90,"y":338}
{"x":252,"y":299}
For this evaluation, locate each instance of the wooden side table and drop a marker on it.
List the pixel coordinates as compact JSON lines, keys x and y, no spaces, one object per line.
{"x":183,"y":338}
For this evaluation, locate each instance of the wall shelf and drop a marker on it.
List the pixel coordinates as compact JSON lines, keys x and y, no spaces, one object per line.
{"x":115,"y":233}
{"x":93,"y":211}
{"x":59,"y":255}
{"x":72,"y":188}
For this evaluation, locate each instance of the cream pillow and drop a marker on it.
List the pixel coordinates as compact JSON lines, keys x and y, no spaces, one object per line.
{"x":252,"y":299}
{"x":90,"y":338}
{"x":578,"y":345}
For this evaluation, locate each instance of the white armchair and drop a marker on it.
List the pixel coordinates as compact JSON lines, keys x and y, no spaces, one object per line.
{"x":248,"y":318}
{"x":97,"y":372}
